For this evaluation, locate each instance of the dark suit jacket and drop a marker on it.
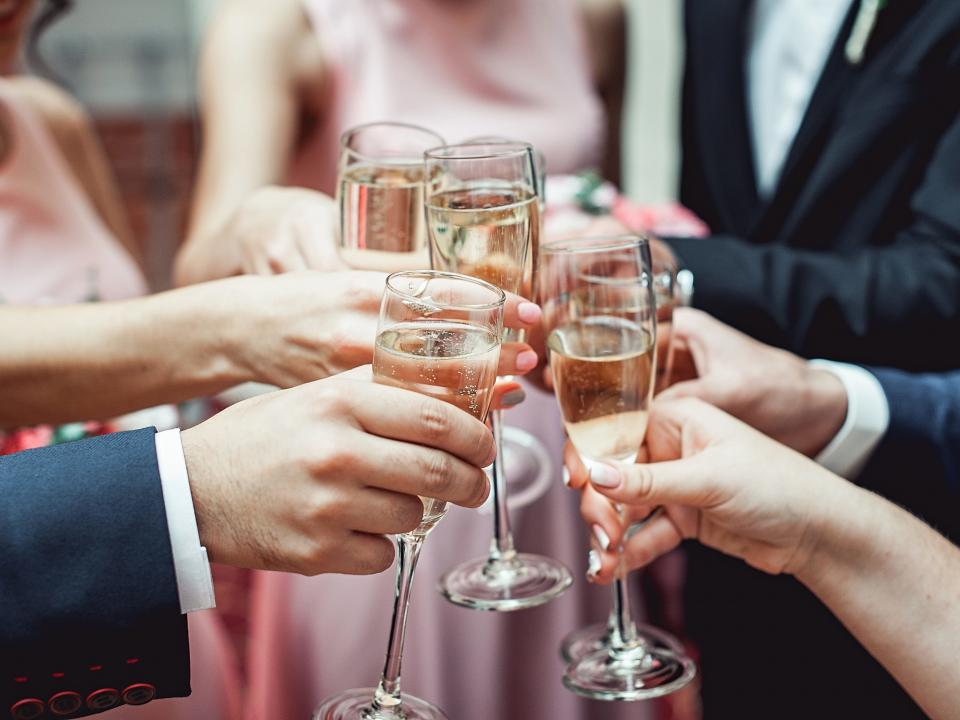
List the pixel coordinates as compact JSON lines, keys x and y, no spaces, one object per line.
{"x":89,"y":610}
{"x":855,"y":257}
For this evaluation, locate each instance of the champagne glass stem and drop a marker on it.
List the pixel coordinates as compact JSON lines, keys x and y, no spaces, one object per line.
{"x":387,"y":698}
{"x":625,"y":630}
{"x":502,"y":546}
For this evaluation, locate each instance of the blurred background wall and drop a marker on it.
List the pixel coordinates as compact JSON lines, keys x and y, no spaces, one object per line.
{"x":132,"y":62}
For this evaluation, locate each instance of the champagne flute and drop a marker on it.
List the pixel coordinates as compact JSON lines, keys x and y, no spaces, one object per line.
{"x":380,"y":196}
{"x":525,"y":461}
{"x":483,"y":219}
{"x":439,"y":334}
{"x":596,"y":637}
{"x":600,"y":313}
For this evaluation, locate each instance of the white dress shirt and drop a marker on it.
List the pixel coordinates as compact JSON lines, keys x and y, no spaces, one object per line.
{"x":789,"y":43}
{"x":192,"y":569}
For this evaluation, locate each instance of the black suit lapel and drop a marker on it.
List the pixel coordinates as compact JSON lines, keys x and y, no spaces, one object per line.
{"x":722,"y":120}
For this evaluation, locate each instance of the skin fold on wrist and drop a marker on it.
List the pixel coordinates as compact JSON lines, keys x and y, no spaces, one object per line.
{"x":826,"y":410}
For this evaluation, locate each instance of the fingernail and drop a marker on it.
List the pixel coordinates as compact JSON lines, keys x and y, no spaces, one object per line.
{"x":593,"y":565}
{"x":529,"y":312}
{"x":601,"y":535}
{"x":566,"y":477}
{"x":604,"y":476}
{"x":527,"y":360}
{"x":514,"y":397}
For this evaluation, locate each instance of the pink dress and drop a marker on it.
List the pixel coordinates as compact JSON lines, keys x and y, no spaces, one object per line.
{"x":54,"y":249}
{"x":515,"y":68}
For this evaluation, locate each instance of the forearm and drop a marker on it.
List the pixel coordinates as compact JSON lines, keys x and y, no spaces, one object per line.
{"x":95,"y":361}
{"x":895,"y":584}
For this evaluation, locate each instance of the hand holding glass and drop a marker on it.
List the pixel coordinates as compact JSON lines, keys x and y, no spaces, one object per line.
{"x":439,"y":335}
{"x":600,"y":313}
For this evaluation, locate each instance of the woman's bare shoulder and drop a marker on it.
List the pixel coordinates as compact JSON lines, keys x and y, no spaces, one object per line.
{"x":61,"y":113}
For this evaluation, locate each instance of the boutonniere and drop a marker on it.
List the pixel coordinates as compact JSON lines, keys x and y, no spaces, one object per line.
{"x":862,"y":29}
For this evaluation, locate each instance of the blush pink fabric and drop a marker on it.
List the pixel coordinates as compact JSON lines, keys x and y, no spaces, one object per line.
{"x":515,"y":68}
{"x":463,"y":68}
{"x":54,"y":249}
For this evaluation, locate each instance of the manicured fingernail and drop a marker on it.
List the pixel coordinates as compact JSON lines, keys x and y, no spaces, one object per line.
{"x":527,"y":360}
{"x":593,"y":565}
{"x":566,"y":477}
{"x":529,"y":312}
{"x":601,"y":535}
{"x":604,"y":476}
{"x":514,"y":397}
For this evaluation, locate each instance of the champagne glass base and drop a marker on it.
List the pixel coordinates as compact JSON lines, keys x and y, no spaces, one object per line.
{"x":357,"y":705}
{"x":505,"y":584}
{"x":596,"y":637}
{"x":639,"y":673}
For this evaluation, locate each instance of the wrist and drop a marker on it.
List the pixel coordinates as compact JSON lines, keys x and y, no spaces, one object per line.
{"x":227,"y":326}
{"x":824,"y":411}
{"x":201,"y":465}
{"x":837,"y":534}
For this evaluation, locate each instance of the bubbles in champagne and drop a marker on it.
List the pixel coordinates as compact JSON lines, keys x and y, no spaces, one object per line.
{"x":450,"y":361}
{"x":487,"y":233}
{"x":603,"y":373}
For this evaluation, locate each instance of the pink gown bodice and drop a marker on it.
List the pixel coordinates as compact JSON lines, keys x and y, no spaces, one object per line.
{"x":462,"y":68}
{"x":54,"y":248}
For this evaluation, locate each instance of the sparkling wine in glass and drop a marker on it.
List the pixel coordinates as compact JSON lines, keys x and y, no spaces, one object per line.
{"x":600,"y":313}
{"x":438,"y":335}
{"x":380,"y":196}
{"x":595,"y":637}
{"x":483,"y":219}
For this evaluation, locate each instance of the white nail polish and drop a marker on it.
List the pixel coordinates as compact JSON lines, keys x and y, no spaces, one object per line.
{"x":593,"y":563}
{"x":566,"y":478}
{"x":600,"y":534}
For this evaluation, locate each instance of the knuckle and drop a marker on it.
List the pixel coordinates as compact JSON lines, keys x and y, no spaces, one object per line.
{"x":333,"y":460}
{"x":437,"y":468}
{"x":435,"y":421}
{"x":332,"y":399}
{"x":642,"y":482}
{"x":313,"y":560}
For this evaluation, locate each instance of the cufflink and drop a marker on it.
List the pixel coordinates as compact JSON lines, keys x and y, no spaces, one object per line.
{"x":65,"y":703}
{"x":139,"y":693}
{"x":27,"y":709}
{"x":103,"y":699}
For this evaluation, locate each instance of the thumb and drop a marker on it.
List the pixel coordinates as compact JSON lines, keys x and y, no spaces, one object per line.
{"x":679,"y":482}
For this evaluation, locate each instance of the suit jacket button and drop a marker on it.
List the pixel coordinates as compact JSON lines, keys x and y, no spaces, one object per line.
{"x":139,"y":693}
{"x":103,"y":699}
{"x":27,"y":709}
{"x":65,"y":703}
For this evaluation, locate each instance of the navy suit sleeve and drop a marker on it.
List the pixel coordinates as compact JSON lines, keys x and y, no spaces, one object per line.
{"x":89,"y":610}
{"x":918,"y":462}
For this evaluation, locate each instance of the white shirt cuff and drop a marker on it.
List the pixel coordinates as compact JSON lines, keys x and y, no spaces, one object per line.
{"x":194,"y":582}
{"x":868,"y":416}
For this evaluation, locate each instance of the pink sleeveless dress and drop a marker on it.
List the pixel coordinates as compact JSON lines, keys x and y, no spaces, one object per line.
{"x":54,"y":249}
{"x":515,"y":68}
